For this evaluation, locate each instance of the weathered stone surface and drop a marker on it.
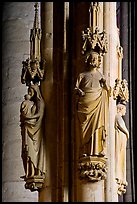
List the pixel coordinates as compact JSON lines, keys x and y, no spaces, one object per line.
{"x":17,"y":20}
{"x":15,"y":192}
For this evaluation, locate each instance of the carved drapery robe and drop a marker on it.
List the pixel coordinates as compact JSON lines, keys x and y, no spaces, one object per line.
{"x":120,"y":149}
{"x":33,"y":153}
{"x":92,"y":113}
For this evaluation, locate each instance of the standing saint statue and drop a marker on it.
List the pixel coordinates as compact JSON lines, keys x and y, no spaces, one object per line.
{"x":92,"y":108}
{"x":32,"y":111}
{"x":121,"y":137}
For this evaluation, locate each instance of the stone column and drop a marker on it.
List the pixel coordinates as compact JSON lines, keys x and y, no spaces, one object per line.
{"x":110,"y":69}
{"x":49,"y":192}
{"x":56,"y":92}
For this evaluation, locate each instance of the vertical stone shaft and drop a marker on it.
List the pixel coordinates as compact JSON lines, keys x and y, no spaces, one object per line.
{"x":48,"y":90}
{"x":55,"y":91}
{"x":111,"y":71}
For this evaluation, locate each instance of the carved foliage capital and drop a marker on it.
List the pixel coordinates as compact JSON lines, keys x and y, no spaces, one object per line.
{"x":92,"y":168}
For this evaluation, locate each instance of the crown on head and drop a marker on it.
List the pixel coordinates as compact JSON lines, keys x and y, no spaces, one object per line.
{"x":96,"y":42}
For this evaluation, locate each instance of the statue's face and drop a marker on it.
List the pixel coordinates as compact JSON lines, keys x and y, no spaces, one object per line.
{"x":123,"y":110}
{"x":93,"y":59}
{"x":34,"y":66}
{"x":31,"y":91}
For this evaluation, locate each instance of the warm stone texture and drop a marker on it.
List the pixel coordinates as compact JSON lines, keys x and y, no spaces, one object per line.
{"x":61,"y":47}
{"x":16,"y":24}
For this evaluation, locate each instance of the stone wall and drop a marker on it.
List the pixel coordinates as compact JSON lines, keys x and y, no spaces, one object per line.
{"x":17,"y":20}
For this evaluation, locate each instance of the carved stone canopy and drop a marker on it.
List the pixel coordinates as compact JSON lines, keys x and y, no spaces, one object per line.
{"x":33,"y":67}
{"x":32,"y":71}
{"x":96,"y":41}
{"x":120,"y":91}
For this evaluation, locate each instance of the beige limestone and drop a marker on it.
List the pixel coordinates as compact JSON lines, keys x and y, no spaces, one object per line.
{"x":17,"y":21}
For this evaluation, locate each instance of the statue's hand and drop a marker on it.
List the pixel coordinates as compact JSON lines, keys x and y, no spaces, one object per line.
{"x":102,"y":82}
{"x":81,"y":93}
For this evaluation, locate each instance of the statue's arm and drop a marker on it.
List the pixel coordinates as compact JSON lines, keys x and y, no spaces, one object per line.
{"x":105,"y":86}
{"x":79,"y":91}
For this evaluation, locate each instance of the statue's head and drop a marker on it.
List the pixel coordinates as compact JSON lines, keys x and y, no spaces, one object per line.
{"x":92,"y":59}
{"x":121,"y":108}
{"x":27,"y":97}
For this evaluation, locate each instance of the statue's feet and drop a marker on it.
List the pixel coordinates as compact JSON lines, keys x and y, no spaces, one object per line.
{"x":102,"y":154}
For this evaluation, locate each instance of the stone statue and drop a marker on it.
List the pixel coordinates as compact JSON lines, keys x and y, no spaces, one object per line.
{"x":121,"y":137}
{"x":32,"y":111}
{"x":92,"y":108}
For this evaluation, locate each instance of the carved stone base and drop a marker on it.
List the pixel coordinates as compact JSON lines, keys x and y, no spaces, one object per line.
{"x":121,"y":186}
{"x":92,"y":168}
{"x":34,"y":183}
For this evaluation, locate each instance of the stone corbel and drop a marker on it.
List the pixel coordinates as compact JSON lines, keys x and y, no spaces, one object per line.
{"x":34,"y":183}
{"x":121,"y":186}
{"x":92,"y":168}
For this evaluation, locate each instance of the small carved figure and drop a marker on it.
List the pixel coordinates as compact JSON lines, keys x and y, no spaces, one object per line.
{"x":121,"y":137}
{"x":32,"y":111}
{"x":92,"y":108}
{"x":120,"y":90}
{"x":32,"y":71}
{"x":27,"y":106}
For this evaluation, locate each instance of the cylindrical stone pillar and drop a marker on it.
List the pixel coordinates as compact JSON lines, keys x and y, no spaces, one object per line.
{"x":110,"y":69}
{"x":56,"y":93}
{"x":48,"y":193}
